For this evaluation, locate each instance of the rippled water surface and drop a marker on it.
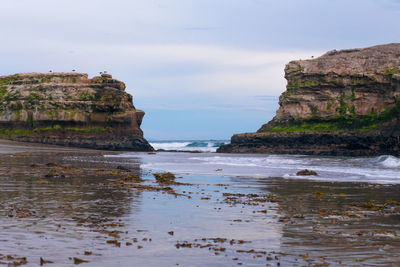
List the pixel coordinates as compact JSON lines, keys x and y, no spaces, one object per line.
{"x":381,"y":170}
{"x":60,"y":203}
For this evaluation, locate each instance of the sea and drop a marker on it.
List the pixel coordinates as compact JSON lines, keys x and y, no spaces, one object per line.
{"x":383,"y":169}
{"x":189,"y":145}
{"x":71,"y":205}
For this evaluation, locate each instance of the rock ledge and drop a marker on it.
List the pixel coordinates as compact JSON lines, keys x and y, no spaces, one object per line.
{"x":70,"y":109}
{"x":345,"y":102}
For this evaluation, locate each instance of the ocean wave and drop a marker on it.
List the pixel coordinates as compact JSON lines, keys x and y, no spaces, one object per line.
{"x":218,"y":144}
{"x":389,"y":161}
{"x":169,"y":145}
{"x":204,"y":146}
{"x":269,"y":161}
{"x":381,"y":170}
{"x":198,"y":144}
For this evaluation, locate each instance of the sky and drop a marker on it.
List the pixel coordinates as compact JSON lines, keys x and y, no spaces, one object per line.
{"x":200,"y":69}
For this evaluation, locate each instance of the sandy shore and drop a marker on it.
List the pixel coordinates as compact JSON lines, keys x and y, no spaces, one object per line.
{"x":72,"y":205}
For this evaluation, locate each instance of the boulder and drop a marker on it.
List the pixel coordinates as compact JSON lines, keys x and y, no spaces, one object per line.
{"x":70,"y":109}
{"x":345,"y":102}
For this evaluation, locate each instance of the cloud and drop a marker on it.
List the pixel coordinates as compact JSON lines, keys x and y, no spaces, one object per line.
{"x":179,"y":55}
{"x":220,"y":69}
{"x":223,"y":69}
{"x":165,"y":70}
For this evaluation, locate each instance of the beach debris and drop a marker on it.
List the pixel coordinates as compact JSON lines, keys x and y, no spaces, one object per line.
{"x":306,"y":172}
{"x":20,"y":212}
{"x":12,"y":260}
{"x":52,"y":164}
{"x":252,"y":251}
{"x":171,"y":232}
{"x":165,"y":178}
{"x":43,"y":261}
{"x":122,"y":168}
{"x":79,"y":261}
{"x":321,"y":264}
{"x":319,"y":194}
{"x":249,"y":199}
{"x":185,"y":244}
{"x":115,"y":242}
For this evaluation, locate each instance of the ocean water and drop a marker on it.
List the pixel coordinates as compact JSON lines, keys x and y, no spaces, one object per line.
{"x":189,"y":145}
{"x":59,"y":203}
{"x":379,"y":170}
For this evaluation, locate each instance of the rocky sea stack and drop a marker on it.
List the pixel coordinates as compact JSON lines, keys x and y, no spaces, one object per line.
{"x":345,"y":102}
{"x":70,"y":109}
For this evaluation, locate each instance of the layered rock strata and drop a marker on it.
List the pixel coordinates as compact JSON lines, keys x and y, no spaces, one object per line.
{"x":343,"y":103}
{"x":70,"y":109}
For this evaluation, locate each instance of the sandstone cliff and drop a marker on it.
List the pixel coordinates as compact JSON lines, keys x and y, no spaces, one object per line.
{"x":343,"y":103}
{"x":70,"y":109}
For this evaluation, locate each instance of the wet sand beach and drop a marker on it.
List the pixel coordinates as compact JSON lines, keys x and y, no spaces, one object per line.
{"x":76,"y":206}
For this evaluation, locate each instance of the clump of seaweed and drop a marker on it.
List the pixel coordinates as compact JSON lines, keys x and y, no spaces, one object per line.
{"x":165,"y":178}
{"x":306,"y":172}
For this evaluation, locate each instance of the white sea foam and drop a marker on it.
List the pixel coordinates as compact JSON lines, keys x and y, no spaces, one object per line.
{"x":202,"y":145}
{"x":268,"y":161}
{"x":389,"y":161}
{"x":383,"y":169}
{"x":169,"y":145}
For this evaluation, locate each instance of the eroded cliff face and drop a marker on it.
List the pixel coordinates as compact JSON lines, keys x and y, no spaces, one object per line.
{"x":342,"y":94}
{"x":70,"y":109}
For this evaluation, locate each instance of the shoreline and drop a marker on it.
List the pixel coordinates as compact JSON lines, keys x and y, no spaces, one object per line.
{"x":61,"y":204}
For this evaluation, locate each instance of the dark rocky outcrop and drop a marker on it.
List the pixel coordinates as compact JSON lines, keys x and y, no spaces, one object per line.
{"x":70,"y":109}
{"x":343,"y":103}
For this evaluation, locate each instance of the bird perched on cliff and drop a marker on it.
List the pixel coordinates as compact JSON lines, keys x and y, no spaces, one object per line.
{"x":73,"y":70}
{"x":50,"y":71}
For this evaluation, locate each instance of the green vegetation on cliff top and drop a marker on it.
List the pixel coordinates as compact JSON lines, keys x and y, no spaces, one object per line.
{"x":314,"y":125}
{"x":339,"y":124}
{"x":27,"y":132}
{"x":392,"y":70}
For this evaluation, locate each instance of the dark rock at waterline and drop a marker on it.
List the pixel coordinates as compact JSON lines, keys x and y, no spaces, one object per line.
{"x":306,"y":172}
{"x":326,"y":144}
{"x":182,"y":151}
{"x":343,"y":103}
{"x":69,"y":109}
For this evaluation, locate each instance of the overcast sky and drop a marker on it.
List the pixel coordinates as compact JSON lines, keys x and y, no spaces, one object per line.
{"x":200,"y":69}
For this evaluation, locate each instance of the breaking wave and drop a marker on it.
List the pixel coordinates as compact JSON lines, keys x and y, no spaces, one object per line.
{"x":203,"y":146}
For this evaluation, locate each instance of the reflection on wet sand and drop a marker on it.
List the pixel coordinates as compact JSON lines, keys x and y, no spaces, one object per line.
{"x":51,"y":207}
{"x":341,"y":223}
{"x":76,"y":206}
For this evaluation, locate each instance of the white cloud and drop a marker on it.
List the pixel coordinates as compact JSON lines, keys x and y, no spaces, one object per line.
{"x":214,"y":55}
{"x":226,"y":70}
{"x":185,"y":54}
{"x":163,"y":70}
